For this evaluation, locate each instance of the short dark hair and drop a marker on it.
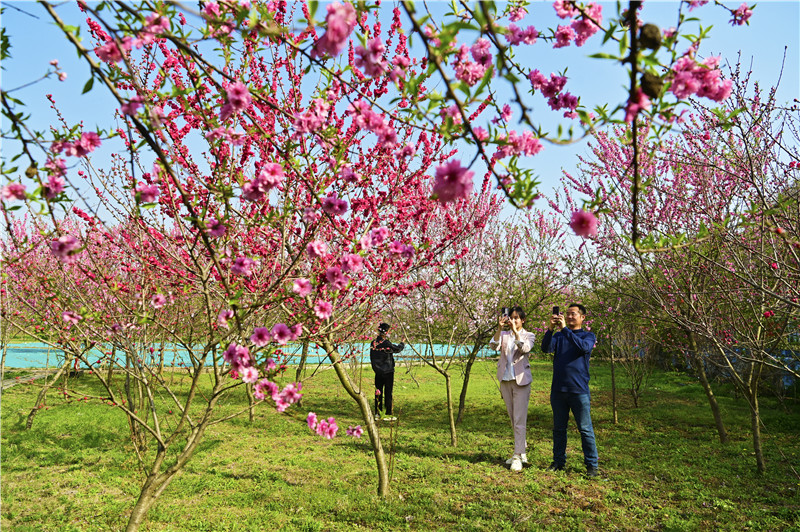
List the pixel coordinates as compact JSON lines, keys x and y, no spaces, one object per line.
{"x":520,"y":312}
{"x":579,"y":307}
{"x":383,"y":327}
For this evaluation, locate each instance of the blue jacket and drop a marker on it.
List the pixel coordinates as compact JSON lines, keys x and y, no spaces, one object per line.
{"x":572,"y":350}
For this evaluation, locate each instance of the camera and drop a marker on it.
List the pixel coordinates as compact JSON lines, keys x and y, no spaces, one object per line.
{"x":506,"y":312}
{"x":556,"y":311}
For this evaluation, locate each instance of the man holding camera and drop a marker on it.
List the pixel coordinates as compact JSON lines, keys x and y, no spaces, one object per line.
{"x":572,"y":346}
{"x":381,"y":357}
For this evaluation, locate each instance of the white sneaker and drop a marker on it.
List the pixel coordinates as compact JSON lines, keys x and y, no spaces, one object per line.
{"x":516,"y":463}
{"x":523,"y":457}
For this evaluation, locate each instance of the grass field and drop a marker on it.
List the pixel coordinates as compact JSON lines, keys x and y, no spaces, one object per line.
{"x":662,"y":467}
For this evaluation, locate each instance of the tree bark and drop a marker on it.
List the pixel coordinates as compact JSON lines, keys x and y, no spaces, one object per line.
{"x":450,"y":416}
{"x":712,"y":400}
{"x":462,"y":398}
{"x":43,"y":393}
{"x":366,"y":413}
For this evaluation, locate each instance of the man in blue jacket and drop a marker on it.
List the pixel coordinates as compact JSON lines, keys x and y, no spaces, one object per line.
{"x":572,"y":346}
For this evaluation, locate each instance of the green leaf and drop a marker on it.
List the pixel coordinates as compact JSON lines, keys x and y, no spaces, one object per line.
{"x":88,"y":86}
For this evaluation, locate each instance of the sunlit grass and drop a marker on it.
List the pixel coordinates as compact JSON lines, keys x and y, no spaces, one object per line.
{"x":662,"y":466}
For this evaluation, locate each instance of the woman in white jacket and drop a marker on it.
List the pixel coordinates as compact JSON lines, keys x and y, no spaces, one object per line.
{"x":514,"y":374}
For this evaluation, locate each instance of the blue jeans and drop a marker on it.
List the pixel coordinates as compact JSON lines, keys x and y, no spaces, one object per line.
{"x":562,"y":403}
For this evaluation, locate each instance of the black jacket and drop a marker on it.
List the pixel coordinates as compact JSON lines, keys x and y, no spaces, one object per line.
{"x":381,"y":354}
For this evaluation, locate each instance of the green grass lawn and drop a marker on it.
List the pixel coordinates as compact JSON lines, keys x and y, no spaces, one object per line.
{"x":662,"y":467}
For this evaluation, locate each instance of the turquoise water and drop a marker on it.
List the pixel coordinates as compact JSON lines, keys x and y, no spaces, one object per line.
{"x":38,"y":355}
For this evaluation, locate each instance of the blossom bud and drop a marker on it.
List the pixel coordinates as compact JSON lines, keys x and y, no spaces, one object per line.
{"x":650,"y":37}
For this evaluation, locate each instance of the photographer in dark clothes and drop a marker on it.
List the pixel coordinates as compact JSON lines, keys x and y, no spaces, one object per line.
{"x":381,"y":357}
{"x":572,"y":346}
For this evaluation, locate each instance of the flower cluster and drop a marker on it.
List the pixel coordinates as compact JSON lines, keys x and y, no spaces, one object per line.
{"x":452,"y":182}
{"x":639,"y":103}
{"x":312,"y":118}
{"x":14,"y":191}
{"x":269,"y":177}
{"x":741,"y":15}
{"x":326,"y":428}
{"x":340,"y":21}
{"x":516,"y":144}
{"x":65,"y":248}
{"x":111,"y":52}
{"x":364,"y":117}
{"x":371,"y":58}
{"x":239,"y":99}
{"x":471,"y":72}
{"x":582,"y":27}
{"x":355,"y":432}
{"x":552,"y":90}
{"x":703,"y":79}
{"x":80,"y":148}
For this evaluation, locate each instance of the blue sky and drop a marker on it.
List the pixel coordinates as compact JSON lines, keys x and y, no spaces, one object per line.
{"x":774,"y":27}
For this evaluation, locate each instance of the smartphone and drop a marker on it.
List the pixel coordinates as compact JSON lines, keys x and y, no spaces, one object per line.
{"x":555,"y":311}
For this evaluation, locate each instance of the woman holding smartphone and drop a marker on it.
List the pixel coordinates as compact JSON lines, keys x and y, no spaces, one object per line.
{"x":514,"y":373}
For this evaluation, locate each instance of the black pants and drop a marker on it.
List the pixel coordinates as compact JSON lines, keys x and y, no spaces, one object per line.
{"x":384,"y":385}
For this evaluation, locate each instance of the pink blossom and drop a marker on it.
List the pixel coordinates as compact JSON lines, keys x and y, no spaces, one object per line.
{"x":158,"y":300}
{"x":316,"y":249}
{"x":377,"y":236}
{"x":297,"y":330}
{"x":323,"y":309}
{"x":269,"y":177}
{"x":264,"y":387}
{"x":65,"y":248}
{"x":517,"y":35}
{"x":56,"y":166}
{"x":352,"y":263}
{"x":243,"y":266}
{"x":452,"y":182}
{"x":371,"y":58}
{"x":146,"y":193}
{"x":223,"y":318}
{"x":83,"y":146}
{"x":696,"y":3}
{"x":156,"y":24}
{"x":769,"y":314}
{"x":53,"y":187}
{"x":336,"y":279}
{"x":311,"y":419}
{"x":640,"y":102}
{"x":584,"y":224}
{"x":517,"y":13}
{"x":356,"y":431}
{"x":564,"y":35}
{"x":13,"y":191}
{"x":249,"y":374}
{"x":301,"y":287}
{"x":261,"y":336}
{"x":741,"y":15}
{"x":480,"y":133}
{"x":327,"y":428}
{"x":109,"y":52}
{"x":269,"y":365}
{"x":588,"y":24}
{"x":340,"y":20}
{"x":453,"y":112}
{"x":62,"y":76}
{"x":310,"y":216}
{"x":237,"y":355}
{"x":482,"y":52}
{"x":365,"y":242}
{"x":289,"y":395}
{"x":215,"y":228}
{"x":565,"y":8}
{"x":72,"y":318}
{"x":774,"y":265}
{"x":131,"y":106}
{"x":282,"y":334}
{"x":333,"y":205}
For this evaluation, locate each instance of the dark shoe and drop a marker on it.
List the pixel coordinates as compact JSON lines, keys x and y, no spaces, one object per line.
{"x":556,"y":467}
{"x":592,"y":472}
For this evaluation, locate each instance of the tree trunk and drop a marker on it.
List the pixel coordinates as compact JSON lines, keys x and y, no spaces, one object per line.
{"x":462,"y":398}
{"x":366,"y":413}
{"x":712,"y":400}
{"x":614,"y":415}
{"x":301,"y":368}
{"x":451,"y":419}
{"x":43,"y":393}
